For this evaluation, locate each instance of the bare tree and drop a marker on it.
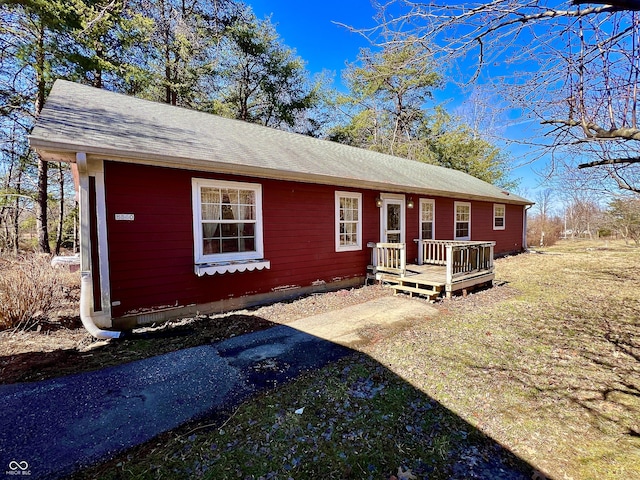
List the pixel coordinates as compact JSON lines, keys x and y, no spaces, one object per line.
{"x":572,"y":66}
{"x":582,"y":218}
{"x":544,"y":200}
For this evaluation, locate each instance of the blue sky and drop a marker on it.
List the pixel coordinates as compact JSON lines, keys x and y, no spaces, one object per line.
{"x":309,"y":28}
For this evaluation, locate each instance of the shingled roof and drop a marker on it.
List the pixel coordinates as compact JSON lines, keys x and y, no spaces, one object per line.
{"x":103,"y":124}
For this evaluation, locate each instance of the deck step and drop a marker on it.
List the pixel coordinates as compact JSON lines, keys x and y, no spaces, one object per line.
{"x":413,"y":290}
{"x":431,"y":283}
{"x":435,"y":286}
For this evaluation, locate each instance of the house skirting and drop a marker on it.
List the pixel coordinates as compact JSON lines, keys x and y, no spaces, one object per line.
{"x":130,"y":322}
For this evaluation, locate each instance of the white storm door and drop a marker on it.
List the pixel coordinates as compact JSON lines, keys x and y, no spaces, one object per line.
{"x":392,"y":219}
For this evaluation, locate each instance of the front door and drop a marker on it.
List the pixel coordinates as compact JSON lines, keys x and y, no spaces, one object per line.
{"x":392,"y":219}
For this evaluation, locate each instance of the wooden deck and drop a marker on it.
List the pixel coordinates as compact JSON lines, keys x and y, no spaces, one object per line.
{"x":430,"y":281}
{"x":463,"y":266}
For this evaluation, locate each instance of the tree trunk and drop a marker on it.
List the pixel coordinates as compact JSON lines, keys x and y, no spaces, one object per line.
{"x":41,"y":207}
{"x":43,"y":167}
{"x":4,"y":219}
{"x":8,"y":214}
{"x":97,"y":79}
{"x":75,"y":228}
{"x":16,"y":213}
{"x":16,"y":227}
{"x":61,"y":214}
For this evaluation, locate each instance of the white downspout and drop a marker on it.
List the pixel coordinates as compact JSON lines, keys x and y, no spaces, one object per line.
{"x":86,"y":281}
{"x":86,"y":300}
{"x":525,"y":247}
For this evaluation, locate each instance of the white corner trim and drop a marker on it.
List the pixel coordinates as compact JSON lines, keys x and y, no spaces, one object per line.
{"x":92,"y":321}
{"x":96,"y":169}
{"x":231,"y":267}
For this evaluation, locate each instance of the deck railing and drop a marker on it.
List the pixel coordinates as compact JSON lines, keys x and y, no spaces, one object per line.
{"x":388,"y":257}
{"x":460,"y":258}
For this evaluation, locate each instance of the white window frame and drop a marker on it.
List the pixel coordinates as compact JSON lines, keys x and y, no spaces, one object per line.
{"x":427,"y":201}
{"x":200,"y":257}
{"x":348,"y":248}
{"x":455,"y":220}
{"x":496,"y":216}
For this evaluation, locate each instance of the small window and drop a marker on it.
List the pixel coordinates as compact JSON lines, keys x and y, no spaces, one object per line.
{"x":227,"y":221}
{"x":462,"y":221}
{"x":498,"y":217}
{"x":427,"y":219}
{"x":348,"y":221}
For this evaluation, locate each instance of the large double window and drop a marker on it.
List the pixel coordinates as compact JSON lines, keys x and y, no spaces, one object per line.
{"x":228,"y":221}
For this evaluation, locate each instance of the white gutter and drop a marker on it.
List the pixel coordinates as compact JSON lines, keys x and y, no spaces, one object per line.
{"x":86,"y":283}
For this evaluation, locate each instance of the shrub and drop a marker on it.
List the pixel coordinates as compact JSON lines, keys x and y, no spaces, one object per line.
{"x":30,"y":290}
{"x":543,"y":231}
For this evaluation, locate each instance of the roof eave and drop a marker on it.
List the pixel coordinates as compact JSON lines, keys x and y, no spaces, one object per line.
{"x":66,"y":152}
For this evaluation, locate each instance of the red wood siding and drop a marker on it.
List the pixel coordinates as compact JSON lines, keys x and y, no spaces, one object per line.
{"x":151,"y":258}
{"x":508,"y":240}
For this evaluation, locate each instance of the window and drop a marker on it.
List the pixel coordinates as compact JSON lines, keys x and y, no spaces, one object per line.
{"x":227,"y":221}
{"x":348,"y":221}
{"x":498,"y":216}
{"x":427,"y":219}
{"x":462,"y":221}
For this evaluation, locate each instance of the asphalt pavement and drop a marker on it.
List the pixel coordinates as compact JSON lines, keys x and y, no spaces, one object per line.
{"x":53,"y":428}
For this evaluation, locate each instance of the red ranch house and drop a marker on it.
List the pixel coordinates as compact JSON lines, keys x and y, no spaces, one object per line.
{"x":183,"y":211}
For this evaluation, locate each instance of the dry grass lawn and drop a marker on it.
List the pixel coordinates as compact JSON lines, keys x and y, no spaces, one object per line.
{"x":547,"y":363}
{"x":552,"y":371}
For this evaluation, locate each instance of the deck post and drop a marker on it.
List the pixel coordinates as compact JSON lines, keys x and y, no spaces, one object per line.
{"x":449,"y":275}
{"x":491,"y":246}
{"x":374,"y":255}
{"x":388,"y":258}
{"x":420,"y":252}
